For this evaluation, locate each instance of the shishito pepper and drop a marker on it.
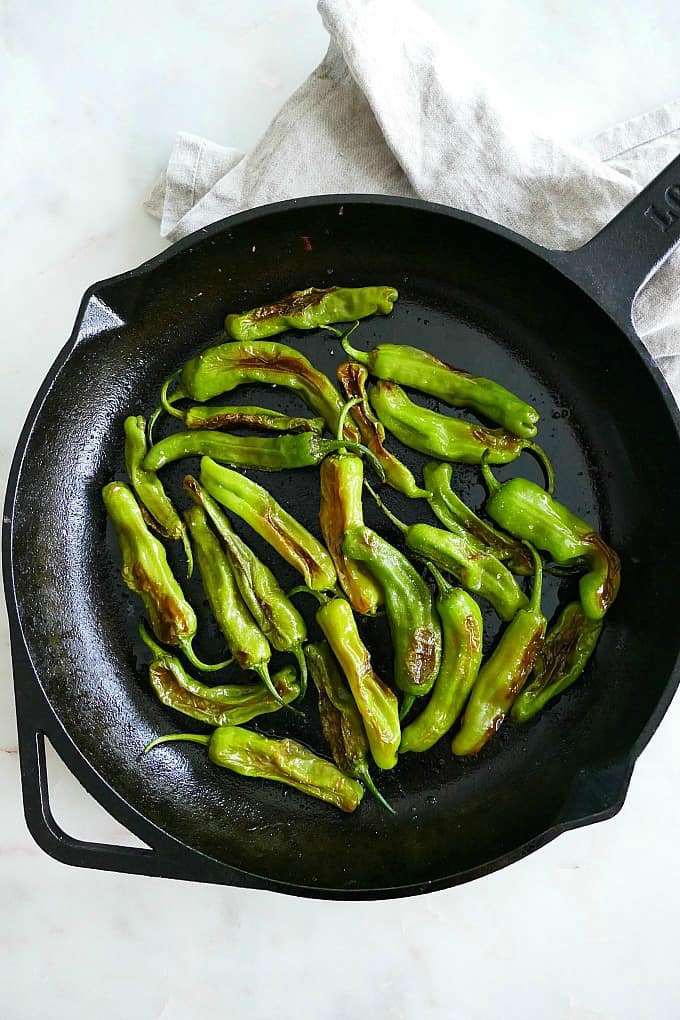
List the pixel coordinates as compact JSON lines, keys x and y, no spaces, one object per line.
{"x":460,"y":519}
{"x":245,"y":640}
{"x":222,"y":368}
{"x":270,"y":607}
{"x":478,"y":570}
{"x":341,"y":722}
{"x":461,"y":657}
{"x":149,"y":488}
{"x":377,"y":704}
{"x":566,"y":650}
{"x":503,"y":675}
{"x":352,"y":377}
{"x":410,"y":366}
{"x":283,"y":761}
{"x":231,"y":704}
{"x":259,"y":509}
{"x":311,"y":308}
{"x":233,"y":416}
{"x":444,"y":437}
{"x":146,"y":571}
{"x":342,"y":479}
{"x":528,"y":512}
{"x":409,"y":605}
{"x":266,"y":453}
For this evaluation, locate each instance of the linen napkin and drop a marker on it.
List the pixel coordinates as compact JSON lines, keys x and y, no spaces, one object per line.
{"x":413,"y":116}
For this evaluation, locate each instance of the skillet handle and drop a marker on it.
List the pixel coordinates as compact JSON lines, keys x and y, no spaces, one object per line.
{"x":163,"y":857}
{"x":615,"y":264}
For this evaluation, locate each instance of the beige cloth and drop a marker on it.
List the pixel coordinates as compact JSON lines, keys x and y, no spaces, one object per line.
{"x":396,"y":108}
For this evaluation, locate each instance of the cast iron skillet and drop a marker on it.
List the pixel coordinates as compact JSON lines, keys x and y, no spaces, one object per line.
{"x":553,"y":326}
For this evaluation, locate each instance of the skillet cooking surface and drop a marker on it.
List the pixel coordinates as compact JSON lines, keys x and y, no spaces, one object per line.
{"x":476,"y":299}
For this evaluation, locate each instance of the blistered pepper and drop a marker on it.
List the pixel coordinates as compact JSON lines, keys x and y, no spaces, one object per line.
{"x":149,"y":488}
{"x":566,"y":650}
{"x":444,"y":437}
{"x":413,"y":367}
{"x":245,"y":640}
{"x":528,"y":512}
{"x":230,"y":704}
{"x":283,"y":761}
{"x":270,"y":607}
{"x":341,"y":722}
{"x":309,"y":309}
{"x":259,"y":509}
{"x":461,"y":657}
{"x":145,"y":571}
{"x":340,"y":508}
{"x":352,"y":377}
{"x":461,"y":520}
{"x":479,"y":571}
{"x":266,"y":453}
{"x":503,"y":675}
{"x":409,"y":606}
{"x":222,"y":368}
{"x":232,"y":416}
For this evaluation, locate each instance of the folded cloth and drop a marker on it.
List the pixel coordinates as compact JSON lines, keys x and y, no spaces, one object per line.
{"x":414,"y":117}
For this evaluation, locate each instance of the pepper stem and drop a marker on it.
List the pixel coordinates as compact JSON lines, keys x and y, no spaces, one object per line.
{"x":388,"y":513}
{"x":158,"y":652}
{"x":543,"y":459}
{"x":303,"y":589}
{"x":363,"y":357}
{"x":302,"y":663}
{"x":406,"y":706}
{"x":196,"y":662}
{"x":262,"y":670}
{"x":150,"y":424}
{"x":166,"y":401}
{"x":492,"y":483}
{"x":194,"y":738}
{"x":362,"y":451}
{"x":443,"y":586}
{"x":367,"y":780}
{"x":535,"y":600}
{"x":346,"y":408}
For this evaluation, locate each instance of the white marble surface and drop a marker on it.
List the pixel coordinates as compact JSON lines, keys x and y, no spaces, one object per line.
{"x":583,"y":930}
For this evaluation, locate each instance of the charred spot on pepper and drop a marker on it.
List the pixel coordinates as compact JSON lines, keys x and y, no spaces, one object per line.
{"x":422,"y":655}
{"x":171,"y":623}
{"x":293,"y":304}
{"x":526,"y":663}
{"x":472,"y":634}
{"x":300,"y":551}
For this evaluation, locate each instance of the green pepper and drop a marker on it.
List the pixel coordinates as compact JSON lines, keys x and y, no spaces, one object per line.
{"x":259,"y":509}
{"x":409,"y":605}
{"x":218,"y":706}
{"x":149,"y":488}
{"x":283,"y":761}
{"x":145,"y":571}
{"x":342,"y":479}
{"x":341,"y":722}
{"x":478,"y":570}
{"x":266,"y":453}
{"x":377,"y":704}
{"x":413,"y":367}
{"x":270,"y":607}
{"x":528,"y":512}
{"x":352,"y":377}
{"x":222,"y":368}
{"x":444,"y":437}
{"x":460,"y":519}
{"x":208,"y":416}
{"x":503,"y":675}
{"x":311,"y":308}
{"x":461,"y":657}
{"x":246,"y":642}
{"x":565,"y":653}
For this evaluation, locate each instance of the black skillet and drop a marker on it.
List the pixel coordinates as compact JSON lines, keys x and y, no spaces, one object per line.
{"x":553,"y":326}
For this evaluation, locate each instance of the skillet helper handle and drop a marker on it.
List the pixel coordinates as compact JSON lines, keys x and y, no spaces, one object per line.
{"x":163,"y":857}
{"x":615,"y":263}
